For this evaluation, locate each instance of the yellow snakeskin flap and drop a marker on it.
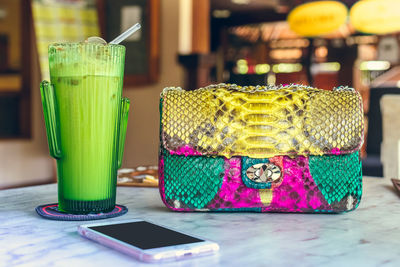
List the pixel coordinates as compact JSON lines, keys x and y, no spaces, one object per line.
{"x":262,"y":122}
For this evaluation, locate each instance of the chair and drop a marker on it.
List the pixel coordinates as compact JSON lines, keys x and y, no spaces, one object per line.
{"x":372,"y":165}
{"x":390,"y":109}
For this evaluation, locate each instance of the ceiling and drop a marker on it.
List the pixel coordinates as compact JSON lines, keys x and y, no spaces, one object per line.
{"x":249,"y":11}
{"x":255,"y":11}
{"x":244,"y":5}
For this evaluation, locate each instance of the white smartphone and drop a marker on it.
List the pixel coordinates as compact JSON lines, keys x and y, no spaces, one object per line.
{"x":147,"y":241}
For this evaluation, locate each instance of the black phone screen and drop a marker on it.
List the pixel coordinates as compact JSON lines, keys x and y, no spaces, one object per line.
{"x":145,"y":235}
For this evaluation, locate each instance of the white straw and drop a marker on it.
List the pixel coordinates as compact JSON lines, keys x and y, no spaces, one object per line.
{"x":126,"y":34}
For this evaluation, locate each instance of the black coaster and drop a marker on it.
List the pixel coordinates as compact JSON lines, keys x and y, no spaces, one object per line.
{"x":51,"y":212}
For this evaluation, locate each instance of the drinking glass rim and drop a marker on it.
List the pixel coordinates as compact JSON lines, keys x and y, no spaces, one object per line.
{"x":77,"y":44}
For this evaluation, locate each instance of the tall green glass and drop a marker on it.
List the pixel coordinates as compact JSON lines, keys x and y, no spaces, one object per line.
{"x":86,"y":119}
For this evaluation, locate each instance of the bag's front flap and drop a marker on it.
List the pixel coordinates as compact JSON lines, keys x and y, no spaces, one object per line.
{"x":261,"y":122}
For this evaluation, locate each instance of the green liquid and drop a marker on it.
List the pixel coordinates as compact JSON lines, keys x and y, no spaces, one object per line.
{"x":88,"y":111}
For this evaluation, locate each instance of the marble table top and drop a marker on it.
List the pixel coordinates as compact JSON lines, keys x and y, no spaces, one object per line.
{"x":368,"y":236}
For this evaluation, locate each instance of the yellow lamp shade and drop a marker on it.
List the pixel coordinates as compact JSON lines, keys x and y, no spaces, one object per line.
{"x":376,"y":16}
{"x":317,"y":18}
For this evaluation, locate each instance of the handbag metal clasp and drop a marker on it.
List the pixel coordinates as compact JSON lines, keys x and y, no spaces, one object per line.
{"x":264,"y":173}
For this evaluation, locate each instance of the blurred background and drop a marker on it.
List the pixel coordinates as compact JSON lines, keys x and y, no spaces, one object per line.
{"x":193,"y":43}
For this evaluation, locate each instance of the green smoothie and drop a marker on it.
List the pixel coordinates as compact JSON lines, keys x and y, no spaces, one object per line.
{"x":87,"y":87}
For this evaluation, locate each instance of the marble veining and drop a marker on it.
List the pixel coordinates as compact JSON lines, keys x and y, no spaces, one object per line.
{"x":368,"y":236}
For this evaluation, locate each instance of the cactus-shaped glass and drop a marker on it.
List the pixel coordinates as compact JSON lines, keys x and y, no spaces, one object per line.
{"x":86,"y":119}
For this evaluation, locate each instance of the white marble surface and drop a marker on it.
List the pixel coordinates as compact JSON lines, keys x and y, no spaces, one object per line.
{"x":369,"y":236}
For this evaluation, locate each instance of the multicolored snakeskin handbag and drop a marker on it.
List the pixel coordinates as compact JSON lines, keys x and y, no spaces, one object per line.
{"x":265,"y":149}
